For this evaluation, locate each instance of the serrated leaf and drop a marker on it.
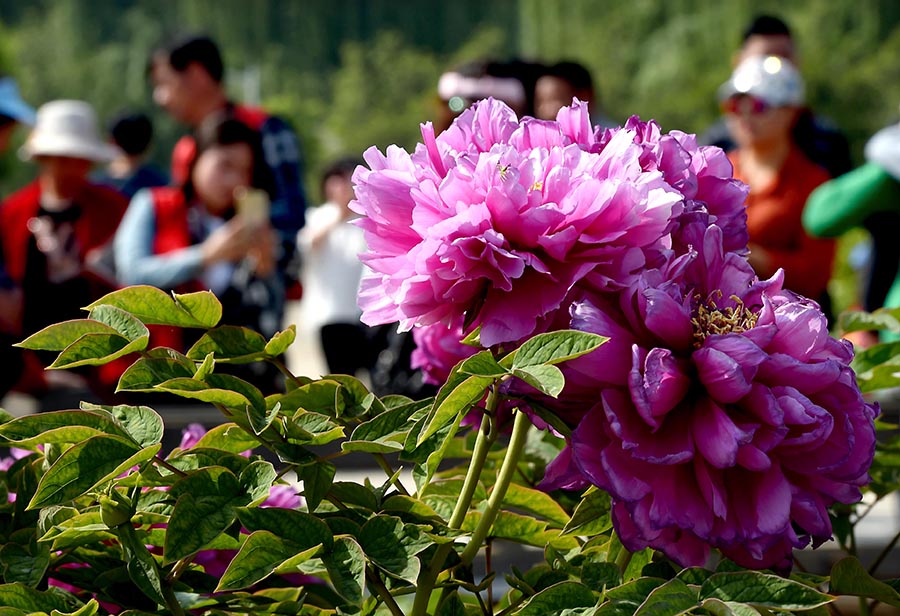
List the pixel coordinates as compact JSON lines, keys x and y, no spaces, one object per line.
{"x":548,"y":380}
{"x":556,"y":598}
{"x":155,"y":307}
{"x":762,"y":589}
{"x":849,"y":577}
{"x":555,"y":347}
{"x":346,"y":566}
{"x":229,"y":344}
{"x":87,"y":464}
{"x":281,"y":341}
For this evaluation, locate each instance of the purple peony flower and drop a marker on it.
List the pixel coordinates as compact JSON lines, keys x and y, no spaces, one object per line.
{"x":438,"y":349}
{"x":495,"y":220}
{"x":727,"y":415}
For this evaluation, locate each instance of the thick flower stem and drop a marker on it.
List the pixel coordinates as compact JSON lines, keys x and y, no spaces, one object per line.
{"x":486,"y":436}
{"x":504,"y":478}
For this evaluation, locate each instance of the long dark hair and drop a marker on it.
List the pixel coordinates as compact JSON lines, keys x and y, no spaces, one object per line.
{"x":223,"y":129}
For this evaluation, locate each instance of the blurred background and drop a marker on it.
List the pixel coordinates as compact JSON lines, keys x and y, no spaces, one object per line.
{"x":352,"y":73}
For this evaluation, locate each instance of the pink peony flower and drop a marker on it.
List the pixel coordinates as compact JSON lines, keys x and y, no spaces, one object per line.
{"x":495,"y":220}
{"x":438,"y":349}
{"x":727,"y":415}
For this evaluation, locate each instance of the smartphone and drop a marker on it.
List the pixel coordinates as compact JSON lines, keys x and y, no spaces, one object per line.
{"x":253,"y":205}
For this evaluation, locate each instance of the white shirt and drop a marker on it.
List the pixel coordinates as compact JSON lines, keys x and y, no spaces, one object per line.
{"x":331,"y":268}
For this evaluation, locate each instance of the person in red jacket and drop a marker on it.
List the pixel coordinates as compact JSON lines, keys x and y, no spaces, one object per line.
{"x":198,"y":236}
{"x":187,"y":74}
{"x":53,"y":231}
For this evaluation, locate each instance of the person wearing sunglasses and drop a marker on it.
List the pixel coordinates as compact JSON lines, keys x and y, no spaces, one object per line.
{"x":761,"y":102}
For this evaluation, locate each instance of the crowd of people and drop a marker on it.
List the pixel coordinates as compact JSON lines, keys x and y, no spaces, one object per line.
{"x":230,"y":214}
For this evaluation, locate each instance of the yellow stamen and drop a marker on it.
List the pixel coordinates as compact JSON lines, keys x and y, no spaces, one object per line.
{"x":709,"y":319}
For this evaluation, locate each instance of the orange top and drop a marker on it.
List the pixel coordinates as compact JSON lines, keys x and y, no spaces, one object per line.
{"x":774,"y":223}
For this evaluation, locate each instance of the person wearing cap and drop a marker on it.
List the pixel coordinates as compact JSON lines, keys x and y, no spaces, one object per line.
{"x":52,"y":229}
{"x":761,"y":102}
{"x":13,"y":111}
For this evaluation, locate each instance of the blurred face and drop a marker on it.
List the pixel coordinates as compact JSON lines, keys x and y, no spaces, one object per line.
{"x":63,"y":175}
{"x":754,"y":124}
{"x":550,"y":95}
{"x":339,"y":190}
{"x":173,"y":91}
{"x":6,"y":131}
{"x":219,"y":171}
{"x":768,"y":45}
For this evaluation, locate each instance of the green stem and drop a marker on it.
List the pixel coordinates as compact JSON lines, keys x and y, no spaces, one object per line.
{"x":284,"y":370}
{"x":504,"y":478}
{"x":172,"y":601}
{"x":389,"y":471}
{"x":486,"y":437}
{"x":884,"y":554}
{"x":383,"y":593}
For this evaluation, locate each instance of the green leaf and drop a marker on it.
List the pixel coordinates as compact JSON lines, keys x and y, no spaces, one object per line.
{"x":555,"y":347}
{"x":451,"y":605}
{"x":206,"y":367}
{"x":717,"y":607}
{"x":386,"y":432}
{"x":261,"y":554}
{"x":318,"y":396}
{"x":762,"y":589}
{"x":308,"y":428}
{"x":519,"y":528}
{"x":228,"y":437}
{"x":591,"y":516}
{"x":58,"y":336}
{"x":97,"y":349}
{"x":317,"y":480}
{"x":561,"y":596}
{"x":883,"y":318}
{"x":673,"y":597}
{"x":16,"y":595}
{"x":256,"y":481}
{"x":141,"y":423}
{"x":155,"y":307}
{"x":429,"y":453}
{"x":281,"y":341}
{"x":548,"y":380}
{"x":124,"y":323}
{"x":346,"y":566}
{"x":393,"y":545}
{"x":88,"y":609}
{"x":198,"y":390}
{"x":25,"y":563}
{"x":229,"y":344}
{"x":87,"y":464}
{"x":140,"y":564}
{"x":535,"y":502}
{"x":28,"y":427}
{"x":204,"y":509}
{"x":450,"y":406}
{"x":884,"y":376}
{"x":482,"y":364}
{"x":849,"y":577}
{"x":301,"y":529}
{"x":149,"y":371}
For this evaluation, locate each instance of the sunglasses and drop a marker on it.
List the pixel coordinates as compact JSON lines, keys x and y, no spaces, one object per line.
{"x":745,"y":103}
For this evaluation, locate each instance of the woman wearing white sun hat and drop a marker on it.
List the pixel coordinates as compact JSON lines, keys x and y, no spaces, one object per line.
{"x":50,"y":228}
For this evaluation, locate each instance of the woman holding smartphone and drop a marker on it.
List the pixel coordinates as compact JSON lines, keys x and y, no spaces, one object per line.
{"x":211,"y":233}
